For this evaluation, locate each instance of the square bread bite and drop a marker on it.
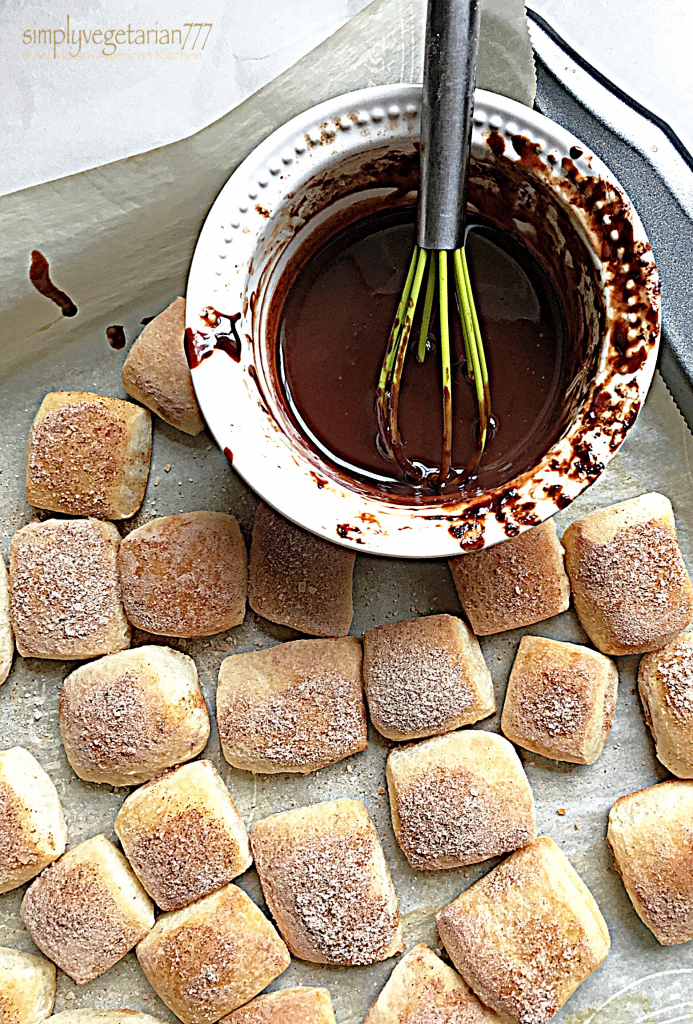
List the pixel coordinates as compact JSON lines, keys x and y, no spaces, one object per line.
{"x":287,"y":1006}
{"x":425,"y":676}
{"x":65,"y":593}
{"x":327,"y":884}
{"x":6,"y":634}
{"x":527,"y":934}
{"x":211,"y":957}
{"x":88,"y":455}
{"x":631,"y":588}
{"x":126,"y":718}
{"x":32,"y":826}
{"x":459,"y":799}
{"x":649,"y":835}
{"x":185,"y":575}
{"x":560,"y":700}
{"x":424,"y":990}
{"x":515,"y":583}
{"x":87,"y":910}
{"x":156,"y":371}
{"x":295,"y":707}
{"x":665,"y":680}
{"x":297,"y":579}
{"x":27,"y":987}
{"x":183,"y":835}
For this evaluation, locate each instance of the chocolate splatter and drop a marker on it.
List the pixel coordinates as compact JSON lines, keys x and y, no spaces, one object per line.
{"x":147,"y":320}
{"x":116,"y":336}
{"x":39,"y":275}
{"x":200,"y":345}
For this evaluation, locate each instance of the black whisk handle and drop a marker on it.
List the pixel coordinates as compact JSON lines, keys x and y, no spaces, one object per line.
{"x":452,"y":47}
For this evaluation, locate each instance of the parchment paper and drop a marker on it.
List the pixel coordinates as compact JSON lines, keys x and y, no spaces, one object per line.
{"x":119,"y":240}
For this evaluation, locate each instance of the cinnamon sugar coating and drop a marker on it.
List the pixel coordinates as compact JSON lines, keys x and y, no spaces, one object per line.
{"x":424,"y":990}
{"x":459,"y":799}
{"x":87,"y":910}
{"x":631,"y":588}
{"x":649,"y":836}
{"x":515,"y":583}
{"x":425,"y":676}
{"x":560,"y":700}
{"x":156,"y":372}
{"x":6,"y":634}
{"x":32,"y":826}
{"x":287,"y":1006}
{"x":526,"y":935}
{"x":183,"y":835}
{"x":103,"y":1017}
{"x":297,"y":579}
{"x":65,"y":593}
{"x":127,"y":717}
{"x":184,"y":575}
{"x":295,"y":707}
{"x":88,"y":455}
{"x":212,"y":957}
{"x":27,"y":987}
{"x":665,"y":679}
{"x":327,"y":884}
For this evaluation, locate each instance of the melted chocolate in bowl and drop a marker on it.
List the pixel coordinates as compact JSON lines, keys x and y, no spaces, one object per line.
{"x":332,"y":333}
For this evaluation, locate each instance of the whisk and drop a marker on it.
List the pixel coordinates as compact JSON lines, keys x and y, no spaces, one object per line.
{"x":452,"y":45}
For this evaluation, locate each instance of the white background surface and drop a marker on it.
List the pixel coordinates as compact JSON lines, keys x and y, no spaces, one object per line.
{"x":60,"y":115}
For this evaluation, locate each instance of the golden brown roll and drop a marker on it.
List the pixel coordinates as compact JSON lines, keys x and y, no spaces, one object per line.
{"x":156,"y":371}
{"x":649,"y":835}
{"x":297,"y":579}
{"x":459,"y":799}
{"x":126,"y":718}
{"x":184,"y":575}
{"x":32,"y":826}
{"x":425,"y":676}
{"x":183,"y":835}
{"x":103,"y":1017}
{"x":27,"y":987}
{"x":87,"y":910}
{"x":287,"y":1006}
{"x":630,"y":585}
{"x":514,"y":583}
{"x":526,"y":935}
{"x":211,"y":957}
{"x":295,"y":707}
{"x":560,"y":700}
{"x":6,"y":634}
{"x":65,"y":592}
{"x":665,"y":679}
{"x":327,"y":884}
{"x":88,"y":455}
{"x":423,"y":989}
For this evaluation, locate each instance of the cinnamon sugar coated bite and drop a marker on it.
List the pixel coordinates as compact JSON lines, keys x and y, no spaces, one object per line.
{"x":156,"y":371}
{"x":425,"y":676}
{"x":103,"y":1017}
{"x":327,"y":884}
{"x":649,"y":836}
{"x":183,"y":835}
{"x":212,"y":957}
{"x":88,"y":455}
{"x":665,"y":679}
{"x":297,"y":579}
{"x":424,"y":990}
{"x":64,"y":590}
{"x":129,"y":716}
{"x":459,"y":799}
{"x":6,"y":634}
{"x":184,"y":575}
{"x":87,"y":910}
{"x":27,"y":987}
{"x":560,"y":700}
{"x":515,"y":583}
{"x":631,"y":588}
{"x":287,"y":1006}
{"x":295,"y":707}
{"x":526,"y":935}
{"x":32,"y":826}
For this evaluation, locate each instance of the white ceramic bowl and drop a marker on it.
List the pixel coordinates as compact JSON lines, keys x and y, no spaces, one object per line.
{"x":292,"y":184}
